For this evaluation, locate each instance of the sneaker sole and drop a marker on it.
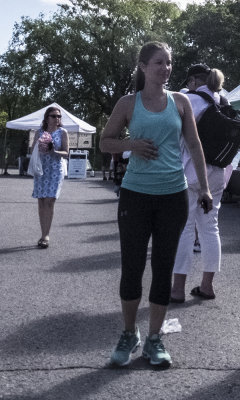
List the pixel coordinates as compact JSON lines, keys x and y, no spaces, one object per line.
{"x":164,"y":363}
{"x":129,"y":360}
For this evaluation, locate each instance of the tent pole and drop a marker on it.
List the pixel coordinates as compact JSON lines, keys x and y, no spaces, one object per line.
{"x":4,"y":150}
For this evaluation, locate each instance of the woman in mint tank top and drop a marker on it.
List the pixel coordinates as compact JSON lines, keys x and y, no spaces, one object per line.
{"x":153,"y":197}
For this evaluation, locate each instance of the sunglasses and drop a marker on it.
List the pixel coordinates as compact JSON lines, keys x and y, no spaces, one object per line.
{"x":55,"y":116}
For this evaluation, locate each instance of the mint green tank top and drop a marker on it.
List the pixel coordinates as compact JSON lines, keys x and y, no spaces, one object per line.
{"x":164,"y":175}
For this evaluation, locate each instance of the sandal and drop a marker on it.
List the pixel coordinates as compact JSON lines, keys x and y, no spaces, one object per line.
{"x":43,"y":243}
{"x":179,"y":301}
{"x":197,"y":292}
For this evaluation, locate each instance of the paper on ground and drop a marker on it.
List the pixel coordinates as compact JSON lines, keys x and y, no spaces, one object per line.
{"x":171,"y":326}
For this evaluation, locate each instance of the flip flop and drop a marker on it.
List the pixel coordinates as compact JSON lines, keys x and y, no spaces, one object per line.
{"x":174,"y":300}
{"x":197,"y":292}
{"x":43,"y":243}
{"x":40,"y":242}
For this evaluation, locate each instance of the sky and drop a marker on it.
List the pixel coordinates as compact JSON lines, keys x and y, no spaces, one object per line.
{"x":13,"y":10}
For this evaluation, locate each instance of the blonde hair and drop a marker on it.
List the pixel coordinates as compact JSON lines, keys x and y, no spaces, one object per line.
{"x":215,"y":80}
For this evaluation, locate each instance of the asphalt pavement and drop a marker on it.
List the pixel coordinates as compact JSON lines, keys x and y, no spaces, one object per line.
{"x":60,"y":309}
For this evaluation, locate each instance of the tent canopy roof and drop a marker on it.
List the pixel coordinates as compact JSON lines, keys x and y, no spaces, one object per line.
{"x":34,"y":121}
{"x":234,"y":95}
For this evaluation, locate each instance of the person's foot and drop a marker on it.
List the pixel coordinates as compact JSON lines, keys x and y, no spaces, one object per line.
{"x":177,"y":296}
{"x":178,"y":288}
{"x":177,"y":300}
{"x":43,"y":243}
{"x":206,"y":294}
{"x":155,"y":352}
{"x":128,"y":344}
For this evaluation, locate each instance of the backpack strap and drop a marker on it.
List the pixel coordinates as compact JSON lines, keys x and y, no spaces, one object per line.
{"x":204,"y":95}
{"x":223,"y":101}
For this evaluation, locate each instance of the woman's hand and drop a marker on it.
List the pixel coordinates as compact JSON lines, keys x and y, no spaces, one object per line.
{"x":43,"y":147}
{"x":145,"y":149}
{"x":205,"y":200}
{"x":50,"y":146}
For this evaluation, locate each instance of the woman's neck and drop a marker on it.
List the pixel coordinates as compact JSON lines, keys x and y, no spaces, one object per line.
{"x":154,"y":101}
{"x":153,"y":91}
{"x":52,"y":128}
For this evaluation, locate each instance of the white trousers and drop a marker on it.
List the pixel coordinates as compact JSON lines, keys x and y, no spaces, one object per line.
{"x":207,"y":226}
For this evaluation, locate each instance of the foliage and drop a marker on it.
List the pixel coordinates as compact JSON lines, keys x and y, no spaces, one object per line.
{"x":3,"y":119}
{"x":210,"y":34}
{"x":84,"y":56}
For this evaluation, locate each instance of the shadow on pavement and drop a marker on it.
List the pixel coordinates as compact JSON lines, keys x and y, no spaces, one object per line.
{"x":101,"y":201}
{"x":91,"y":223}
{"x":66,"y":333}
{"x":18,"y":249}
{"x":230,"y":248}
{"x":102,"y":238}
{"x":226,"y":389}
{"x":89,"y":263}
{"x":93,"y":384}
{"x":79,"y":387}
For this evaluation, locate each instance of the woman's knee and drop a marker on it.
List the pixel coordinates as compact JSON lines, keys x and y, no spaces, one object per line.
{"x":49,"y":202}
{"x":41,"y":204}
{"x":130,"y":292}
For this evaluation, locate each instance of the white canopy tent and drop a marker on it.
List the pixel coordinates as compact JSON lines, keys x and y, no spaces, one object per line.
{"x":234,"y":97}
{"x":223,"y":92}
{"x":33,"y":121}
{"x":77,"y":129}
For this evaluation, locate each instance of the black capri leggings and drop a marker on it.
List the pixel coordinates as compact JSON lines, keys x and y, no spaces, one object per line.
{"x":140,"y":216}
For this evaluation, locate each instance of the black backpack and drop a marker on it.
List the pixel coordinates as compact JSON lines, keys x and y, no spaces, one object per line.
{"x":219,"y":132}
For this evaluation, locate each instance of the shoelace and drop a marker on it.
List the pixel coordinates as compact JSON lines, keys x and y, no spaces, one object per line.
{"x":123,"y":342}
{"x":158,"y":344}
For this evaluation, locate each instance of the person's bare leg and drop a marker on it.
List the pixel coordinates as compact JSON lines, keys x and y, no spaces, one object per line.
{"x":46,"y":210}
{"x":48,"y":216}
{"x":41,"y":214}
{"x":129,"y":309}
{"x":207,"y":283}
{"x":157,"y":315}
{"x":178,"y":289}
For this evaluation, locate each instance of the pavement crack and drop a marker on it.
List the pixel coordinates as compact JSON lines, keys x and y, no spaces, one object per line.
{"x":109,"y":367}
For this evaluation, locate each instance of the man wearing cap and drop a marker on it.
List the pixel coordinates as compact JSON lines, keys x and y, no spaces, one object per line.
{"x":200,"y":78}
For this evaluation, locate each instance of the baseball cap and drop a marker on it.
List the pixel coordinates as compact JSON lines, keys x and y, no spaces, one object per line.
{"x":195,"y":70}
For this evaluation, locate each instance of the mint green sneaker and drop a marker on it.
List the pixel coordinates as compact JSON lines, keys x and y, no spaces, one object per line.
{"x":154,"y":351}
{"x":128,"y":344}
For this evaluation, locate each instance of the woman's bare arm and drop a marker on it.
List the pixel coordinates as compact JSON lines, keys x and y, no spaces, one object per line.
{"x":65,"y":145}
{"x":119,"y":119}
{"x":35,"y":139}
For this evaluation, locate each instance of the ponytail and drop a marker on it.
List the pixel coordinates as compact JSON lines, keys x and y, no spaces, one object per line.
{"x":215,"y":80}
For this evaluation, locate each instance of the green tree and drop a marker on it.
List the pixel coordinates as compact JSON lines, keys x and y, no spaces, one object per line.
{"x":16,"y":95}
{"x":3,"y":121}
{"x":85,"y":56}
{"x":209,"y":33}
